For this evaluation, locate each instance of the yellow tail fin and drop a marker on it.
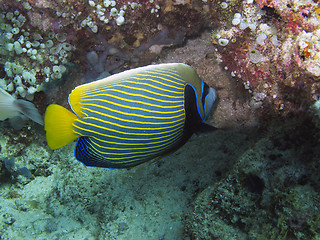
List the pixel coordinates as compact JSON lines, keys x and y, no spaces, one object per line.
{"x":58,"y":125}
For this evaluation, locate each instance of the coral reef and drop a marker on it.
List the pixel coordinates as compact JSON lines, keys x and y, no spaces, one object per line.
{"x":30,"y":56}
{"x":273,"y":48}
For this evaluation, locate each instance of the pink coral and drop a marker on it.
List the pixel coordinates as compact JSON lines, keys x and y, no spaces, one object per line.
{"x":286,"y":69}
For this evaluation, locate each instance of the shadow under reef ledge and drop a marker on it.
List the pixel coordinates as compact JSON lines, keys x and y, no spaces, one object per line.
{"x":271,"y":192}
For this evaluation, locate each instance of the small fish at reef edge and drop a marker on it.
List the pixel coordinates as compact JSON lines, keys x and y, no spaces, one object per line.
{"x":16,"y":110}
{"x":132,"y":117}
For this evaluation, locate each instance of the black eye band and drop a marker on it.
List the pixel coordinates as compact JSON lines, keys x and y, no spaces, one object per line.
{"x":205,"y":91}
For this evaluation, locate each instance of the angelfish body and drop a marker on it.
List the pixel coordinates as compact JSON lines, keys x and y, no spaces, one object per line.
{"x":131,"y":117}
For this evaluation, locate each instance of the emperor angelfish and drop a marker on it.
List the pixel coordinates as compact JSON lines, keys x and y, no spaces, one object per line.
{"x":132,"y":117}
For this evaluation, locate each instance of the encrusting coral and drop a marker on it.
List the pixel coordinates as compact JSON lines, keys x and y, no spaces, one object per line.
{"x":273,"y":48}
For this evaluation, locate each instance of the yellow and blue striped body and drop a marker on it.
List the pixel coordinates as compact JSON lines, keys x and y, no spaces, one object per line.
{"x":138,"y":115}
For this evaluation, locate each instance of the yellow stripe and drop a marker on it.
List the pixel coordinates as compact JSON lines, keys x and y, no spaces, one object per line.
{"x":129,"y":153}
{"x":83,"y":114}
{"x":131,"y":121}
{"x":125,"y":106}
{"x":145,"y":90}
{"x":134,"y":114}
{"x":140,"y":148}
{"x":153,"y":79}
{"x":102,"y":158}
{"x":131,"y":94}
{"x":165,"y":73}
{"x":94,"y":88}
{"x":112,"y":130}
{"x":162,"y":83}
{"x":178,"y":82}
{"x":152,"y":86}
{"x":100,"y":86}
{"x":127,"y":127}
{"x":169,"y":136}
{"x":127,"y":161}
{"x":121,"y":138}
{"x":130,"y":100}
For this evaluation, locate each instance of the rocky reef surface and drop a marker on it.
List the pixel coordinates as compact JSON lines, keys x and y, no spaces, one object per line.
{"x":256,"y":177}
